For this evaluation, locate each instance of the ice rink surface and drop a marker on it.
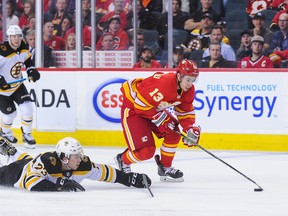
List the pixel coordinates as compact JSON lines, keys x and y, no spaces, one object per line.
{"x":210,"y":188}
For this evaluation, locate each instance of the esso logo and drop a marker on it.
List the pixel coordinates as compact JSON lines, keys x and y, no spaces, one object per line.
{"x":108,"y":99}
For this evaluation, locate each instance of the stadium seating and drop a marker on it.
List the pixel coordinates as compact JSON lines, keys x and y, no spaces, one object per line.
{"x":156,"y":15}
{"x":236,"y":5}
{"x":269,"y":15}
{"x":196,"y":56}
{"x":179,"y":37}
{"x":234,"y":38}
{"x":237,"y":19}
{"x":151,"y":36}
{"x":217,"y":5}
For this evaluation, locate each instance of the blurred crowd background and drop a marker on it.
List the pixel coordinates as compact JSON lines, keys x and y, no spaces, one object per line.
{"x":214,"y":33}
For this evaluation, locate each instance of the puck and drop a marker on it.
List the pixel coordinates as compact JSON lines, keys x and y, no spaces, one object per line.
{"x":258,"y":189}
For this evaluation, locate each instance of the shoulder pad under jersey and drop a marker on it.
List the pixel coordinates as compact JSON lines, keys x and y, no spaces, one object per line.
{"x":85,"y":164}
{"x":51,"y":162}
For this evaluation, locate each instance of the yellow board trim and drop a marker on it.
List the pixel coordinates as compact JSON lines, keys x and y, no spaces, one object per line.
{"x":254,"y":142}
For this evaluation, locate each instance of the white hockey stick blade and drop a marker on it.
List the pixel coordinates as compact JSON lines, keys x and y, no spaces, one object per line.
{"x":146,"y":185}
{"x":169,"y":179}
{"x":16,"y":81}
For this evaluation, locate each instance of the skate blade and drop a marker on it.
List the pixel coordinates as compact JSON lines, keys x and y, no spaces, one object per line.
{"x":29,"y":146}
{"x":169,"y":179}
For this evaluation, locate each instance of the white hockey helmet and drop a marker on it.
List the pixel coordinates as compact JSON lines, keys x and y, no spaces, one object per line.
{"x":68,"y":146}
{"x":14,"y":30}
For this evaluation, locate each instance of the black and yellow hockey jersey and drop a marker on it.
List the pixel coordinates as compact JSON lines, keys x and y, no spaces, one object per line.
{"x":41,"y":173}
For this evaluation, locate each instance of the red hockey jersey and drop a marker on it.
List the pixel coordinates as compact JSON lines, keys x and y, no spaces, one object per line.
{"x":255,"y":6}
{"x":56,"y":43}
{"x":156,"y":93}
{"x":262,"y":62}
{"x":154,"y":64}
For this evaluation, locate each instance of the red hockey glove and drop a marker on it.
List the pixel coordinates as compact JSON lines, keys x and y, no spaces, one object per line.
{"x":165,"y":121}
{"x":193,"y":133}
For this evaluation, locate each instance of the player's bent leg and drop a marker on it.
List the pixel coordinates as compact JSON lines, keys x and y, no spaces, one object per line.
{"x":26,"y":121}
{"x":125,"y":159}
{"x":125,"y":168}
{"x":168,"y":150}
{"x":6,"y":124}
{"x":169,"y":174}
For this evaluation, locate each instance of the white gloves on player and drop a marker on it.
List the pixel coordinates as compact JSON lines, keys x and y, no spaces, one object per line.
{"x":193,"y":135}
{"x":165,"y":121}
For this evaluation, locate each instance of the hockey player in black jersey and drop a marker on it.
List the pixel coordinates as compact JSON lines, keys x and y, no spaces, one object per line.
{"x":60,"y":170}
{"x":14,"y":55}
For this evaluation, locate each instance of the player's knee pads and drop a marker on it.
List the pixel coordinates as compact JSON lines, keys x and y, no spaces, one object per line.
{"x":146,"y":152}
{"x":9,"y":110}
{"x":26,"y":108}
{"x":9,"y":118}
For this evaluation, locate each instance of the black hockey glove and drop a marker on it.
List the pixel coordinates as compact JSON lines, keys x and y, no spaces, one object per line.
{"x":3,"y":84}
{"x":64,"y":184}
{"x":136,"y":180}
{"x":33,"y":74}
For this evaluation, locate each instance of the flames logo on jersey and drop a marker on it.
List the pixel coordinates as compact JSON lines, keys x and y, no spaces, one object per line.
{"x":16,"y":69}
{"x":116,"y":42}
{"x":255,"y":6}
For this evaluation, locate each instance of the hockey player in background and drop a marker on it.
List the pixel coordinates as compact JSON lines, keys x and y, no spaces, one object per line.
{"x":144,"y":111}
{"x":60,"y":170}
{"x":14,"y":54}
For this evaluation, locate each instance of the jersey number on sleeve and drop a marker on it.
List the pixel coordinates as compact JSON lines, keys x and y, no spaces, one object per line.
{"x":40,"y":168}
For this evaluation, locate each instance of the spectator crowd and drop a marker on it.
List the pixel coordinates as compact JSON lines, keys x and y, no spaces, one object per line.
{"x":203,"y":30}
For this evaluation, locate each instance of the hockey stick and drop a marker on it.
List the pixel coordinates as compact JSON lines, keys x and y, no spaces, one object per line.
{"x":184,"y":136}
{"x":146,"y":185}
{"x":16,"y":81}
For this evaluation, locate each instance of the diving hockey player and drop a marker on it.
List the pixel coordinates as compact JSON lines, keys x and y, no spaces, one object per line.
{"x":14,"y":53}
{"x":60,"y":170}
{"x":144,"y":111}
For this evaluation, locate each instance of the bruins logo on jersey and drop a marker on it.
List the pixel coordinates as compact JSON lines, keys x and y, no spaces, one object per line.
{"x":195,"y":44}
{"x":4,"y":48}
{"x":53,"y":161}
{"x":16,"y":69}
{"x":85,"y":159}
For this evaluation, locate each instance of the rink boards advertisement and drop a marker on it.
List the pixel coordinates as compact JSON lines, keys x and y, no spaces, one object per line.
{"x":225,"y":102}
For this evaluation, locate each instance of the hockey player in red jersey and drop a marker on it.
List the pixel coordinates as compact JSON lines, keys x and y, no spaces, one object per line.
{"x":60,"y":170}
{"x":257,"y":59}
{"x":144,"y":111}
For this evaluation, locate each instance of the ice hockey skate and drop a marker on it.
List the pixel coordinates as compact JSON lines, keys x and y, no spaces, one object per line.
{"x":8,"y":136}
{"x":6,"y":148}
{"x":168,"y":174}
{"x":28,"y":140}
{"x":121,"y":165}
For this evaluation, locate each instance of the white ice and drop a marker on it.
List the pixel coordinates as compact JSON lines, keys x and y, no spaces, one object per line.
{"x":210,"y":188}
